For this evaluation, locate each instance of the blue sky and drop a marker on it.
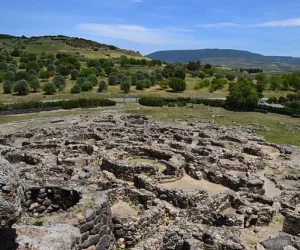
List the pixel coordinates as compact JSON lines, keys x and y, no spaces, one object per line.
{"x":269,"y":27}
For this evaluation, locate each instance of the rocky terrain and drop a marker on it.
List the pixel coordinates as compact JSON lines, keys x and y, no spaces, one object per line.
{"x":115,"y":181}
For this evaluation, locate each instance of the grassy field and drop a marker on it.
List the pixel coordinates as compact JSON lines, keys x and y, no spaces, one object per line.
{"x":276,"y":133}
{"x":115,"y":91}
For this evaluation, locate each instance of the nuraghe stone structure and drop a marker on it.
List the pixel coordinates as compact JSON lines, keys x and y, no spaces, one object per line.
{"x":115,"y":181}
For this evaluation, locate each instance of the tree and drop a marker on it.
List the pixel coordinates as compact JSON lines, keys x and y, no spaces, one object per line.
{"x":60,"y":82}
{"x":102,"y":86}
{"x":21,"y":75}
{"x":242,"y":95}
{"x":3,"y":66}
{"x":12,"y":67}
{"x":125,"y":85}
{"x":262,"y":81}
{"x":9,"y":76}
{"x":177,"y":84}
{"x":193,"y":66}
{"x":49,"y":88}
{"x":275,"y":83}
{"x":180,"y":73}
{"x":87,"y":71}
{"x":63,"y":70}
{"x":230,"y":77}
{"x":21,"y":87}
{"x":74,"y":74}
{"x":33,"y":65}
{"x":7,"y":87}
{"x":80,"y":80}
{"x":217,"y":83}
{"x":112,"y":79}
{"x":159,"y":77}
{"x":86,"y":86}
{"x":140,"y":85}
{"x":93,"y":79}
{"x":75,"y":89}
{"x":32,"y":72}
{"x":34,"y":83}
{"x":15,"y":53}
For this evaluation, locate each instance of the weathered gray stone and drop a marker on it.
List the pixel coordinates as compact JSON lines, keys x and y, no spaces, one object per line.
{"x":11,"y":194}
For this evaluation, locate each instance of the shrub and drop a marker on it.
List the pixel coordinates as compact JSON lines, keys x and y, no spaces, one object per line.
{"x":49,"y":88}
{"x":74,"y":74}
{"x":177,"y":84}
{"x":59,"y":81}
{"x":151,"y":101}
{"x":272,"y":99}
{"x":75,"y":89}
{"x":125,"y":85}
{"x":230,"y":77}
{"x":93,"y":79}
{"x":282,"y":99}
{"x":140,"y":85}
{"x":102,"y":86}
{"x":217,"y":83}
{"x":293,"y":105}
{"x":21,"y":75}
{"x":21,"y":87}
{"x":202,"y":84}
{"x":9,"y":76}
{"x":80,"y":80}
{"x":86,"y":86}
{"x":164,"y":84}
{"x":7,"y":87}
{"x":34,"y":83}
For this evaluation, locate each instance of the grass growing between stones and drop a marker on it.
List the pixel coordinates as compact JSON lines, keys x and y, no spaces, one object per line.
{"x":276,"y":134}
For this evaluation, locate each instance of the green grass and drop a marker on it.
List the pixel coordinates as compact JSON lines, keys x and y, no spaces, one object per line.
{"x":276,"y":134}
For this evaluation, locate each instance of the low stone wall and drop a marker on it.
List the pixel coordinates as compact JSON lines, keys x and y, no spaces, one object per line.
{"x":126,"y":170}
{"x":178,"y":198}
{"x":48,"y":199}
{"x":96,"y":226}
{"x":27,"y":111}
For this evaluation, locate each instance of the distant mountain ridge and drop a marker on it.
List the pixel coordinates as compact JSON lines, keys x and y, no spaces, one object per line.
{"x":185,"y":56}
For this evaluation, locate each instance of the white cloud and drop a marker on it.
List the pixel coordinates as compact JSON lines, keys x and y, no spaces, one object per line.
{"x":218,"y":25}
{"x":138,"y":34}
{"x":291,"y":22}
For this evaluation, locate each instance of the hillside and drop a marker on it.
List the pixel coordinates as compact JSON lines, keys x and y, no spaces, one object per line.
{"x":230,"y":58}
{"x":55,"y":44}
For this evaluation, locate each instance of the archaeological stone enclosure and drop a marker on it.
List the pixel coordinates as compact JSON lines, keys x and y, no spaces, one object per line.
{"x":121,"y":181}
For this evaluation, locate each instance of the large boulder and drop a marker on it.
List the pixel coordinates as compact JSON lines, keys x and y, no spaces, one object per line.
{"x":11,"y":194}
{"x":291,"y":223}
{"x":60,"y":236}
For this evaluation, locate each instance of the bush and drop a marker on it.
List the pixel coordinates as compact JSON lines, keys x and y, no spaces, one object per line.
{"x":21,"y":87}
{"x":151,"y":101}
{"x":86,"y":86}
{"x":7,"y":87}
{"x":49,"y":88}
{"x":293,"y":105}
{"x":125,"y":85}
{"x":140,"y":85}
{"x":74,"y":74}
{"x":230,"y":77}
{"x":60,"y":82}
{"x":202,"y":84}
{"x":164,"y":84}
{"x":177,"y":84}
{"x":217,"y":83}
{"x":272,"y":99}
{"x":80,"y":80}
{"x":21,"y":75}
{"x":102,"y":86}
{"x":93,"y":79}
{"x":75,"y":89}
{"x":9,"y":76}
{"x":282,"y":99}
{"x":34,"y":83}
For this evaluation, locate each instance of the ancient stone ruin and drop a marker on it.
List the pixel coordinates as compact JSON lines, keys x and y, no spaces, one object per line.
{"x":114,"y":181}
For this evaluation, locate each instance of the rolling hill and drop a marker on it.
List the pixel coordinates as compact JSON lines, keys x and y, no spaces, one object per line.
{"x":60,"y":43}
{"x":230,"y":58}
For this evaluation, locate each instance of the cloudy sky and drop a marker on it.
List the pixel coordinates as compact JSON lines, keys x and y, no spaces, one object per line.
{"x":269,"y":27}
